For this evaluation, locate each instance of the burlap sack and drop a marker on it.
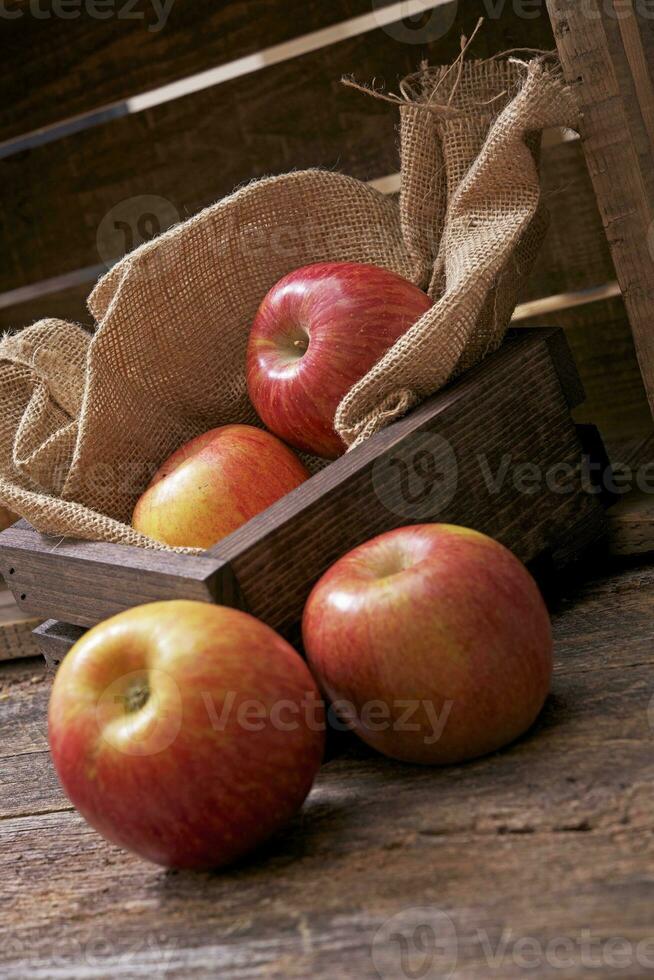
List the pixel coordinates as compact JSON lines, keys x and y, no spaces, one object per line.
{"x":86,"y":419}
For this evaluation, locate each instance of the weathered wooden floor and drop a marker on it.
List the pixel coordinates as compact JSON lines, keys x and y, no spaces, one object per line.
{"x":537,"y":861}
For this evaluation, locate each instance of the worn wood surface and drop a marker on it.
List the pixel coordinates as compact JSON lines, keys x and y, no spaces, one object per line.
{"x":631,"y":519}
{"x":605,"y":56}
{"x":540,"y":856}
{"x":83,"y":582}
{"x":136,"y":49}
{"x":574,"y":254}
{"x":16,"y":627}
{"x":600,"y":338}
{"x":497,"y":450}
{"x":196,"y":149}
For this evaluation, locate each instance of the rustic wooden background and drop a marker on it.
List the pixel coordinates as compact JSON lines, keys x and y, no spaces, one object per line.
{"x":546,"y":843}
{"x":282,"y":107}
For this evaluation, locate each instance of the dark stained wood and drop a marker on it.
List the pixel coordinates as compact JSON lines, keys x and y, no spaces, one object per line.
{"x":195,"y":150}
{"x":600,"y":338}
{"x":66,"y":304}
{"x":280,"y":553}
{"x":604,"y":58}
{"x":631,"y":519}
{"x":83,"y":582}
{"x":575,"y":253}
{"x":530,"y":852}
{"x":476,"y":437}
{"x":54,"y":640}
{"x":124,"y":54}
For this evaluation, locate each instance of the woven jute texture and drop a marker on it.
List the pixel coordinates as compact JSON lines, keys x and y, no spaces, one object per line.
{"x":85,"y":419}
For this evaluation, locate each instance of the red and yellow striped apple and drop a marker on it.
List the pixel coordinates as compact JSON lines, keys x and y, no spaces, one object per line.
{"x":185,"y":732}
{"x":317,"y":332}
{"x":214,"y":484}
{"x":435,"y":641}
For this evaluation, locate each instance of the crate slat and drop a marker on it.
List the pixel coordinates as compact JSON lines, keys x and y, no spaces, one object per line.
{"x":284,"y":117}
{"x":476,"y":435}
{"x":120,"y":56}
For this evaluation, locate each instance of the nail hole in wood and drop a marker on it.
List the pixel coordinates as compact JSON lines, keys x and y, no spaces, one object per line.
{"x":12,"y":571}
{"x":23,"y":596}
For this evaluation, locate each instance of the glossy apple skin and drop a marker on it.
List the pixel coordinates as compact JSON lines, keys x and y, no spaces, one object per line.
{"x":436,"y":615}
{"x":175,"y":781}
{"x":214,"y":484}
{"x":317,"y":332}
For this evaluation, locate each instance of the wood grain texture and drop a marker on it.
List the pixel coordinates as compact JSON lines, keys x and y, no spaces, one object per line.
{"x":65,"y":304}
{"x":575,"y":253}
{"x":195,"y":150}
{"x":134,"y":49}
{"x":599,"y":335}
{"x":54,"y":639}
{"x":478,"y":462}
{"x":616,"y":107}
{"x":631,"y":519}
{"x":533,"y":851}
{"x":16,"y":640}
{"x":485,"y":452}
{"x":83,"y":582}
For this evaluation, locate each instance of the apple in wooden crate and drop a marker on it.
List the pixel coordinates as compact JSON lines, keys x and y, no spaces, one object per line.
{"x":432,"y":641}
{"x":214,"y":483}
{"x":185,"y":732}
{"x":317,"y":333}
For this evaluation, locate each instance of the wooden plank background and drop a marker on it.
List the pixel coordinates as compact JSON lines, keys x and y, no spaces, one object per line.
{"x":190,"y":151}
{"x":119,"y":56}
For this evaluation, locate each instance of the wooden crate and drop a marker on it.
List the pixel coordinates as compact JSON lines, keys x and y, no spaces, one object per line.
{"x":497,"y":450}
{"x":16,"y":629}
{"x":292,"y":112}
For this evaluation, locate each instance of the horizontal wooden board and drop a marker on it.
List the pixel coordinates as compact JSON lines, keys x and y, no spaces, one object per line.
{"x":574,"y":254}
{"x":47,"y":575}
{"x":78,"y":63}
{"x":196,"y":149}
{"x":66,"y":304}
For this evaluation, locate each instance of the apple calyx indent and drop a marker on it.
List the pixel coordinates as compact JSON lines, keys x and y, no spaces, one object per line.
{"x":136,"y":696}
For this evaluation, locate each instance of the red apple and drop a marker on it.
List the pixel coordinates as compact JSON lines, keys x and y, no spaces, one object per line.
{"x":434,"y":639}
{"x":317,"y":332}
{"x":215,"y":483}
{"x":185,"y":732}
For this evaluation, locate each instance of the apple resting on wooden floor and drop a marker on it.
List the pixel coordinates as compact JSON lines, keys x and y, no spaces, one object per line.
{"x":435,"y":638}
{"x":167,"y":731}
